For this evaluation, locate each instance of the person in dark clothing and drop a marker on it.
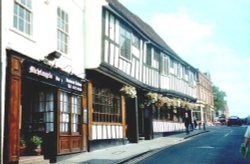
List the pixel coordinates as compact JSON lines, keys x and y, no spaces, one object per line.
{"x":195,"y":121}
{"x":186,"y":120}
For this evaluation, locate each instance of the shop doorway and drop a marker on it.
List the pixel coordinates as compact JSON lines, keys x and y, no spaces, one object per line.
{"x":37,"y":117}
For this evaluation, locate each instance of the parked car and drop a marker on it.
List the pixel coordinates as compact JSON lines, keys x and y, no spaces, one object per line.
{"x":234,"y":120}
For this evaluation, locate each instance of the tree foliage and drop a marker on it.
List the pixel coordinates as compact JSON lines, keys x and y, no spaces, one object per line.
{"x":219,"y":98}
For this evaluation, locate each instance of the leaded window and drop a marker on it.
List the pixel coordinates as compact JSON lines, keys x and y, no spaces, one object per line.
{"x":125,"y":42}
{"x":156,"y":59}
{"x":22,"y":19}
{"x":165,"y":65}
{"x":136,"y":41}
{"x":106,"y":106}
{"x":149,"y":56}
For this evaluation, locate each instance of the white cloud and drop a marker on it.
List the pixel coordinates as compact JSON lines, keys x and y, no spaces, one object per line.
{"x":178,"y":25}
{"x":195,"y":42}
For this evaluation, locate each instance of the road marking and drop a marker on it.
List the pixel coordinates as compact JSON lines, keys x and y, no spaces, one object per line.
{"x":206,"y":147}
{"x":227,"y":133}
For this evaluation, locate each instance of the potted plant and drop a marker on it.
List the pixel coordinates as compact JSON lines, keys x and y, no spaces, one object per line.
{"x":37,"y":141}
{"x":22,"y":145}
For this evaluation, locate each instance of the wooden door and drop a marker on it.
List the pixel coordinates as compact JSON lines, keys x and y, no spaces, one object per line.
{"x":13,"y":106}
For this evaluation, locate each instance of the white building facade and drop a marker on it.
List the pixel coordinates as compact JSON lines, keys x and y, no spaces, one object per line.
{"x":43,"y":76}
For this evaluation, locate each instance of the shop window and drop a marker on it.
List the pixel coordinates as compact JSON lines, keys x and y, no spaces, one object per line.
{"x":64,"y":111}
{"x":22,"y":19}
{"x":164,"y":114}
{"x":106,"y":106}
{"x":43,"y":116}
{"x":76,"y":113}
{"x":70,"y":112}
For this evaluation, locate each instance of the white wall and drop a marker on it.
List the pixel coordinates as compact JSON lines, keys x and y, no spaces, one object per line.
{"x":44,"y":38}
{"x":93,"y":32}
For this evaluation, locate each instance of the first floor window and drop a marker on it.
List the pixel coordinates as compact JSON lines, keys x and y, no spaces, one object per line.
{"x":62,"y":31}
{"x":125,"y":42}
{"x":22,"y":19}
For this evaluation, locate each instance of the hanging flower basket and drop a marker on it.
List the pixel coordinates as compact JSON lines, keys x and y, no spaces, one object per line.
{"x":128,"y":91}
{"x":151,"y":98}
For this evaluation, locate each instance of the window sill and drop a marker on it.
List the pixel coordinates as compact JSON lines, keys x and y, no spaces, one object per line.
{"x":30,"y":38}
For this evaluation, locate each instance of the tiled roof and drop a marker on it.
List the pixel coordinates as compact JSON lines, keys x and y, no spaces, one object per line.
{"x":140,"y":24}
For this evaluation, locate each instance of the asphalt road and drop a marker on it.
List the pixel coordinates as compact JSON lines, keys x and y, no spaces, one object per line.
{"x":219,"y":146}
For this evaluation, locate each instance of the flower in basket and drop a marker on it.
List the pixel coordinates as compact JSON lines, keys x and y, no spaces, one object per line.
{"x":169,"y":102}
{"x":151,"y":98}
{"x":160,"y":101}
{"x":128,"y":91}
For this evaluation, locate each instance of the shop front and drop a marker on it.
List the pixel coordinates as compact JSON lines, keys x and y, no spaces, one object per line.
{"x":107,"y":112}
{"x":46,"y":104}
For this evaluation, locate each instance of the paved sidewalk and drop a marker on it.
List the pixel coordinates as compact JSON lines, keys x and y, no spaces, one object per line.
{"x":124,"y":153}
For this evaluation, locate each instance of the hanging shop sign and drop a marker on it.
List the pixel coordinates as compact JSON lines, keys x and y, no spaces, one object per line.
{"x":52,"y":76}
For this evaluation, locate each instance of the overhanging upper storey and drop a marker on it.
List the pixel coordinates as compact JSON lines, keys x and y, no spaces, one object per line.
{"x":131,"y":49}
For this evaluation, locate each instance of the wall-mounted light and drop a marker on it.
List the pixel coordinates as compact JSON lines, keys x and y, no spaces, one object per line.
{"x":53,"y":55}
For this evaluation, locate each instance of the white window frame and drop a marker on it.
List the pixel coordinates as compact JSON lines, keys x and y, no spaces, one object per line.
{"x":23,"y":16}
{"x":62,"y":31}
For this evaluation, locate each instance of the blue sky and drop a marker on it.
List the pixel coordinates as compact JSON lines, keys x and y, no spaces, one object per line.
{"x":212,"y":35}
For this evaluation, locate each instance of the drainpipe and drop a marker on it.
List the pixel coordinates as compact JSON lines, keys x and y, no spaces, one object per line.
{"x":1,"y":69}
{"x":1,"y":120}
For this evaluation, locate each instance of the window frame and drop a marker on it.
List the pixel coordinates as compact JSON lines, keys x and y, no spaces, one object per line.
{"x":125,"y":34}
{"x":165,"y":65}
{"x":136,"y":40}
{"x":106,"y":106}
{"x":149,"y":55}
{"x":23,"y":13}
{"x":62,"y":31}
{"x":70,"y":113}
{"x":41,"y":107}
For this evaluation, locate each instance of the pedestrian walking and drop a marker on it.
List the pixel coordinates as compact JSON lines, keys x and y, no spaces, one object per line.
{"x":244,"y":145}
{"x":195,"y":121}
{"x":186,"y":120}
